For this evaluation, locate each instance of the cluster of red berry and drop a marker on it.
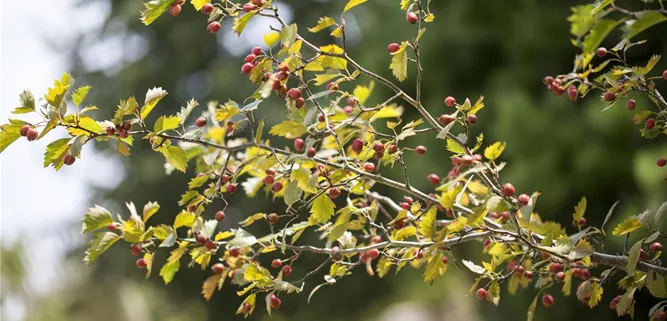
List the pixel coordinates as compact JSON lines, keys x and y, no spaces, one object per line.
{"x":31,"y":134}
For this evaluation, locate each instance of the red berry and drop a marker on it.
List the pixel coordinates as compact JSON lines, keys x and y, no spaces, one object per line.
{"x":283,"y":67}
{"x":135,"y":249}
{"x":420,"y":255}
{"x":508,"y":190}
{"x":357,"y":145}
{"x":24,"y":130}
{"x":369,"y":167}
{"x":505,"y":215}
{"x":257,"y":51}
{"x":467,"y":160}
{"x":659,"y":315}
{"x":112,"y":227}
{"x":555,"y":268}
{"x":210,"y":245}
{"x":277,"y":187}
{"x":609,"y":96}
{"x":334,"y":192}
{"x":601,"y":52}
{"x":207,"y":8}
{"x":560,"y":276}
{"x":477,"y":157}
{"x":258,"y":2}
{"x":373,"y":254}
{"x":547,"y":300}
{"x":584,"y":274}
{"x":311,"y":152}
{"x":655,"y":247}
{"x":650,"y":123}
{"x":582,"y":222}
{"x":664,"y":75}
{"x":392,"y":149}
{"x":32,"y":134}
{"x":270,"y":171}
{"x":268,"y":180}
{"x":643,"y":255}
{"x":631,"y":104}
{"x":445,"y":260}
{"x":332,"y":86}
{"x":393,"y":47}
{"x":141,"y":263}
{"x":408,"y":200}
{"x":218,"y":268}
{"x":219,"y":216}
{"x":299,"y":144}
{"x":231,"y":188}
{"x":471,"y":119}
{"x":246,"y":69}
{"x":175,"y":10}
{"x":200,"y":122}
{"x":249,"y":58}
{"x":294,"y":93}
{"x":351,"y":101}
{"x":614,"y":302}
{"x":411,"y":17}
{"x":247,"y":307}
{"x":486,"y":243}
{"x":576,"y":272}
{"x":376,"y":239}
{"x":434,"y":179}
{"x":272,"y":218}
{"x":481,"y":293}
{"x":420,"y":150}
{"x":548,"y":80}
{"x":234,"y":252}
{"x":528,"y":275}
{"x":450,"y":101}
{"x":404,"y":205}
{"x":275,"y":302}
{"x":299,"y":102}
{"x":456,"y":161}
{"x":661,"y":162}
{"x":572,"y":93}
{"x":201,"y":238}
{"x":378,"y":147}
{"x":523,"y":199}
{"x":224,"y":178}
{"x":248,"y":7}
{"x":213,"y":27}
{"x":321,"y":118}
{"x":69,"y":159}
{"x":276,"y":263}
{"x":287,"y":270}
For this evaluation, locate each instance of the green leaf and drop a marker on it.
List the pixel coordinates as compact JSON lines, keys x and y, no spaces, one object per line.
{"x":257,"y":274}
{"x":241,"y":22}
{"x":352,"y":3}
{"x":495,"y":150}
{"x":581,"y":20}
{"x":9,"y":133}
{"x":96,"y":218}
{"x":154,"y":9}
{"x":184,"y":218}
{"x":153,"y":96}
{"x":55,"y":151}
{"x":288,"y":129}
{"x":581,"y":250}
{"x":656,"y":284}
{"x":80,"y":94}
{"x":185,"y":111}
{"x":633,"y":257}
{"x":304,"y":179}
{"x":226,"y":111}
{"x":645,"y":20}
{"x":595,"y":294}
{"x":427,"y":224}
{"x":579,"y":210}
{"x":150,"y":209}
{"x":101,"y":242}
{"x":399,"y":63}
{"x":629,"y":225}
{"x":165,"y":123}
{"x":288,"y":35}
{"x":198,"y":181}
{"x":321,"y":210}
{"x":606,"y":218}
{"x":454,"y":147}
{"x":657,"y":218}
{"x":292,"y":193}
{"x":598,"y":34}
{"x":168,"y":271}
{"x":27,"y":103}
{"x":639,"y":116}
{"x":323,"y":23}
{"x":434,"y":268}
{"x":599,"y":5}
{"x":175,"y":156}
{"x":649,"y":65}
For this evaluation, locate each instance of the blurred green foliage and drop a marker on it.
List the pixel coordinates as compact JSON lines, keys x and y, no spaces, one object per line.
{"x":499,"y":49}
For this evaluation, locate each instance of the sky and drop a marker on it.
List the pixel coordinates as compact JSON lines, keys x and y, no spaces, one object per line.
{"x":35,"y":200}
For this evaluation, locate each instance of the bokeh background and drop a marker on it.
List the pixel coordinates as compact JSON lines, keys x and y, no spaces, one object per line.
{"x":499,"y":49}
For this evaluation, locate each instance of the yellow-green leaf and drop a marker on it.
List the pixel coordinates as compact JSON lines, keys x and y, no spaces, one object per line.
{"x":80,"y":94}
{"x":150,"y":209}
{"x":258,"y":274}
{"x":494,"y":151}
{"x":323,"y":23}
{"x":321,"y":210}
{"x":184,"y":218}
{"x":55,"y":94}
{"x":399,"y":63}
{"x":579,"y":210}
{"x":175,"y":156}
{"x":288,"y":129}
{"x":209,"y":286}
{"x":271,"y":38}
{"x":362,"y":92}
{"x":153,"y":96}
{"x":629,"y":225}
{"x":168,"y":271}
{"x":241,"y":22}
{"x":434,"y":268}
{"x":427,"y":224}
{"x":198,"y":4}
{"x":96,"y":218}
{"x":352,"y":3}
{"x":165,"y":123}
{"x":304,"y":180}
{"x":99,"y":244}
